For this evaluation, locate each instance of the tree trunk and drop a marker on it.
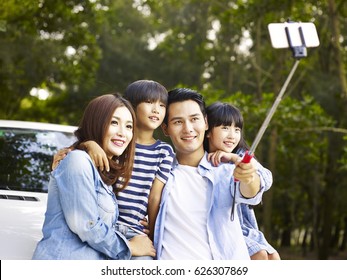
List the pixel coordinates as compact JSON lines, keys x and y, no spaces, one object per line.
{"x":304,"y":243}
{"x":344,"y":237}
{"x":336,"y":235}
{"x":335,"y":142}
{"x":258,"y":43}
{"x":335,"y":28}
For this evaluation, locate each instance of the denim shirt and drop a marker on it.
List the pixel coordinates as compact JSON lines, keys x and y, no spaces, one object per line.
{"x":81,"y":214}
{"x":224,"y":233}
{"x":255,"y":239}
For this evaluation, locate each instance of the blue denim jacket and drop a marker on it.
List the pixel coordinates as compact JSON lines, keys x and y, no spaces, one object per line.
{"x":81,"y":214}
{"x":255,"y":239}
{"x":225,"y":234}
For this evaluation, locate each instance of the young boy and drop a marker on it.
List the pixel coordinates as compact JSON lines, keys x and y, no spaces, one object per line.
{"x":153,"y":158}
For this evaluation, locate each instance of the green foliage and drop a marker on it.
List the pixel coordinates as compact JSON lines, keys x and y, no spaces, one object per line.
{"x":79,"y":49}
{"x":33,"y":48}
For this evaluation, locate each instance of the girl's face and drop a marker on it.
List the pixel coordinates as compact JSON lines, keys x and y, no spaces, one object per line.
{"x":119,"y":133}
{"x":150,"y":114}
{"x":224,"y":138}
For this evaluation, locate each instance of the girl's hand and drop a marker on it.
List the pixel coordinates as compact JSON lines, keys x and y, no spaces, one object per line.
{"x":141,"y":245}
{"x":219,"y":156}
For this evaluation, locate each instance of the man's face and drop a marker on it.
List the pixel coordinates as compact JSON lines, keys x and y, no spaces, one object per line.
{"x":186,"y":128}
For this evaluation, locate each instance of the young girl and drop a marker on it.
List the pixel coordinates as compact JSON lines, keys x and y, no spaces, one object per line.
{"x":152,"y":164}
{"x":223,"y":138}
{"x":82,"y":209}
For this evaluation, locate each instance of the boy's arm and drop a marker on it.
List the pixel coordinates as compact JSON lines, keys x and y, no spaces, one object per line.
{"x":153,"y":204}
{"x":97,"y":154}
{"x":60,"y":155}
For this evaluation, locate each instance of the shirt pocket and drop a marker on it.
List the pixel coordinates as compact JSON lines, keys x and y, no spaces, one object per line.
{"x":224,"y":196}
{"x":106,"y":201}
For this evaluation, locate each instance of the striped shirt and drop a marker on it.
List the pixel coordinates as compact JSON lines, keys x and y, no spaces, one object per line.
{"x":153,"y":161}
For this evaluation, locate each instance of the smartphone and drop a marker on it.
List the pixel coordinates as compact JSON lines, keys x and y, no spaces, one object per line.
{"x":293,"y":34}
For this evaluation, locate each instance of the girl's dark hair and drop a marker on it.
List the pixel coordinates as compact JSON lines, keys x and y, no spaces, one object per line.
{"x":218,"y":114}
{"x":184,"y":94}
{"x":144,"y":90}
{"x":94,"y":125}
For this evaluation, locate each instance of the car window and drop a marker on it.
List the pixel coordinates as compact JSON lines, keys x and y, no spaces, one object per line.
{"x":26,"y":157}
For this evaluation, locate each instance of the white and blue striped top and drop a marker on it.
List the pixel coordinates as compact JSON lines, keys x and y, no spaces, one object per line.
{"x":151,"y":161}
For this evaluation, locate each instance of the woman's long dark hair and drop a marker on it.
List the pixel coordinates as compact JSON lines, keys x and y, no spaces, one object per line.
{"x":94,"y":126}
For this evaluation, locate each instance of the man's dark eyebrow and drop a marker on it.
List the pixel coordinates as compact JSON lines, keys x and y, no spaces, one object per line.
{"x":190,"y":116}
{"x":195,"y":115}
{"x":175,"y":119}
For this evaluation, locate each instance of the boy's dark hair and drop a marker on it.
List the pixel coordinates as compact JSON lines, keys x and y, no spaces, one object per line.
{"x":218,"y":114}
{"x":145,"y":90}
{"x":184,"y":94}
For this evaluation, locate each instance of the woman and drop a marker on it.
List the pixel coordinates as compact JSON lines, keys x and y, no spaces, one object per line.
{"x":79,"y":221}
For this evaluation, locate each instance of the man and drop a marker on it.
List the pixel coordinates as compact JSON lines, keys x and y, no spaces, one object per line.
{"x":195,"y":219}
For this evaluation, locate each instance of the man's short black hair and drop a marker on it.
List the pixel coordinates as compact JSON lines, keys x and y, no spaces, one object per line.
{"x":184,"y":94}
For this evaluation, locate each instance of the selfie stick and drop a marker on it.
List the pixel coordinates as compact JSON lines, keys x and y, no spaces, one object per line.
{"x":298,"y":52}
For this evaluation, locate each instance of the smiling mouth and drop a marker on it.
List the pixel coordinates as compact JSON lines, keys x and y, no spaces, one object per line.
{"x":118,"y":143}
{"x":154,"y":118}
{"x":189,"y":138}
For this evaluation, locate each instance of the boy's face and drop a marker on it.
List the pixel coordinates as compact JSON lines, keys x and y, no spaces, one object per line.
{"x":150,"y":114}
{"x":224,"y":138}
{"x":186,"y":127}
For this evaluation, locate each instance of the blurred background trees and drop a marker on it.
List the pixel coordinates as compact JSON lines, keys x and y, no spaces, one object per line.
{"x":56,"y":55}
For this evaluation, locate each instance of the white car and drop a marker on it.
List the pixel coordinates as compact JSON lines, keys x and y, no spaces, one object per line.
{"x":26,"y":153}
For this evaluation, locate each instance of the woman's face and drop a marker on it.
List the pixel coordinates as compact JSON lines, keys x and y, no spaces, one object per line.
{"x":119,"y":133}
{"x":224,"y":138}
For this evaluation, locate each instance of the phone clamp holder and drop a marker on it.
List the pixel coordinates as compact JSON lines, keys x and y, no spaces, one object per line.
{"x":298,"y":51}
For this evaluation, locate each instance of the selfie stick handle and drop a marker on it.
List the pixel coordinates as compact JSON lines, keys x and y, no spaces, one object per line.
{"x":250,"y":153}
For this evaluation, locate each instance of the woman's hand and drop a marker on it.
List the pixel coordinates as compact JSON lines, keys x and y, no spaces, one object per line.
{"x":141,"y":245}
